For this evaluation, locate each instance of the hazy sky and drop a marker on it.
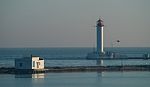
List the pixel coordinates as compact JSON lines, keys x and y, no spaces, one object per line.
{"x":70,"y":23}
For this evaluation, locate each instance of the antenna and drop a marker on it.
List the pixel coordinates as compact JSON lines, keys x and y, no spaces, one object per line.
{"x":116,"y":43}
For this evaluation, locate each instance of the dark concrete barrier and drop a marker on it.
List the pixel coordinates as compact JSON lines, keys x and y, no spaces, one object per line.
{"x":12,"y":70}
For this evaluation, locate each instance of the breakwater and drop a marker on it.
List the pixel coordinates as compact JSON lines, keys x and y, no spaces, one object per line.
{"x":12,"y":70}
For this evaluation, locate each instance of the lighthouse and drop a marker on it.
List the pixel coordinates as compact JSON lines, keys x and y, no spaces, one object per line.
{"x":100,"y":36}
{"x":99,"y":52}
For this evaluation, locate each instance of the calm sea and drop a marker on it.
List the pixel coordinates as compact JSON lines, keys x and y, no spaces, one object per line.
{"x":78,"y":79}
{"x":73,"y":79}
{"x":7,"y":55}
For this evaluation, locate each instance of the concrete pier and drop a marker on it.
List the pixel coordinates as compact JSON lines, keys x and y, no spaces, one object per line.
{"x":77,"y":69}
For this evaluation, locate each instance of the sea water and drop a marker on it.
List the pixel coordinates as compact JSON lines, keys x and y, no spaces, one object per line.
{"x":7,"y":56}
{"x":73,"y":79}
{"x":77,"y":79}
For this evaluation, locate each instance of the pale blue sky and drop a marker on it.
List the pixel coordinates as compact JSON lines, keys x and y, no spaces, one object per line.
{"x":70,"y":23}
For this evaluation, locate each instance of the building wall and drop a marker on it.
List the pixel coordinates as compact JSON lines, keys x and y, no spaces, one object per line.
{"x":37,"y":64}
{"x":35,"y":58}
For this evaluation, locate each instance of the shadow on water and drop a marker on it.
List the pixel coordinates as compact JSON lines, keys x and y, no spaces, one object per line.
{"x":28,"y":80}
{"x":39,"y":75}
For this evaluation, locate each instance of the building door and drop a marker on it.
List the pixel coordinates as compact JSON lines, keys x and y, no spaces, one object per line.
{"x":38,"y":64}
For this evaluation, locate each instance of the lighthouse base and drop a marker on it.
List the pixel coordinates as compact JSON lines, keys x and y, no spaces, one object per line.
{"x":95,"y":55}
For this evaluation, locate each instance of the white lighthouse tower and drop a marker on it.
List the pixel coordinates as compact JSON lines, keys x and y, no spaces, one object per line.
{"x":99,"y":52}
{"x":100,"y":36}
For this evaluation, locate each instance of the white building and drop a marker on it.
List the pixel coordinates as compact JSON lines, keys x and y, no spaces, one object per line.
{"x":33,"y":62}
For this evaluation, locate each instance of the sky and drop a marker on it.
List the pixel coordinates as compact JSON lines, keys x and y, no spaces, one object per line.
{"x":71,"y":23}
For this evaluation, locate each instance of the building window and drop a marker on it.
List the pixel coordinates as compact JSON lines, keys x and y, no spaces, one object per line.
{"x":20,"y":64}
{"x":33,"y":65}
